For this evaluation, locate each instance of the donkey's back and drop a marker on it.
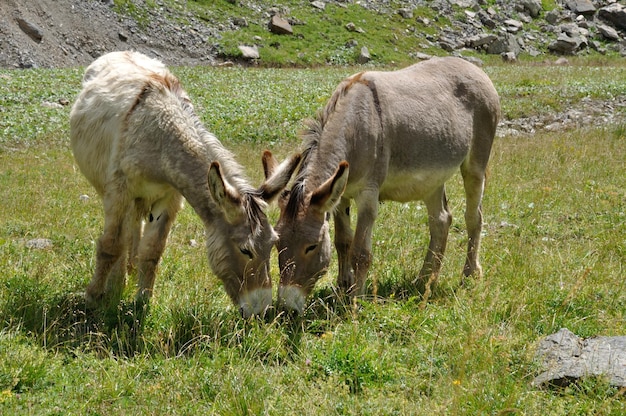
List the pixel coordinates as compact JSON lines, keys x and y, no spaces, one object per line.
{"x":431,"y":118}
{"x":112,"y":85}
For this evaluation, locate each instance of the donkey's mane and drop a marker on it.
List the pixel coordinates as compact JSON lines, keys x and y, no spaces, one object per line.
{"x":311,"y":136}
{"x":252,"y":200}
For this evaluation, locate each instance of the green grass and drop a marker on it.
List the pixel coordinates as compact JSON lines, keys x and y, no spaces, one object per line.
{"x":553,"y":255}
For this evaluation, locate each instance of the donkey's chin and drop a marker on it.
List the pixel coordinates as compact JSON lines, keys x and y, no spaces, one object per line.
{"x":255,"y":302}
{"x":291,"y":299}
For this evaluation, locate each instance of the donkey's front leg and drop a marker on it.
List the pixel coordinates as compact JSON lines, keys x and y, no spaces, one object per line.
{"x":153,"y":243}
{"x":343,"y":242}
{"x":439,"y":220}
{"x":110,"y":255}
{"x":361,"y":251}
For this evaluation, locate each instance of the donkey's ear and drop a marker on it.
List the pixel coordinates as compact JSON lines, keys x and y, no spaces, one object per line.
{"x":224,"y":195}
{"x":277,"y":176}
{"x":327,"y":196}
{"x":269,"y":163}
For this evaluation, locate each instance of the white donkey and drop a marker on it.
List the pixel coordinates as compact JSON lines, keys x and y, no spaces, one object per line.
{"x":386,"y":136}
{"x":136,"y":138}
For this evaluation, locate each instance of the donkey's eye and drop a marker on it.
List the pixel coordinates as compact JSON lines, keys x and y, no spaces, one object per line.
{"x":310,"y":248}
{"x":246,"y":252}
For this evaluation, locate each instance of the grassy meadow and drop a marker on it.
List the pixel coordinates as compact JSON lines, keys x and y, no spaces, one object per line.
{"x":553,"y":254}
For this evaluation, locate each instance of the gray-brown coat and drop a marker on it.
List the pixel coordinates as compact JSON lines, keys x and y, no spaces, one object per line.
{"x":386,"y":136}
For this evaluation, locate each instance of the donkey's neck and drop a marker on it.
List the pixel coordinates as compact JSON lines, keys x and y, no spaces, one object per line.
{"x":190,"y":167}
{"x":323,"y":162}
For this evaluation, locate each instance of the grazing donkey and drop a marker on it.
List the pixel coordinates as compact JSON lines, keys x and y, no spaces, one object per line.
{"x":137,"y":139}
{"x":386,"y":136}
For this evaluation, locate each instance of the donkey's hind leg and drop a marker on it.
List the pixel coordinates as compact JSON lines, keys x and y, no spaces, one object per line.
{"x":439,"y":221}
{"x":152,"y":245}
{"x":474,"y":183}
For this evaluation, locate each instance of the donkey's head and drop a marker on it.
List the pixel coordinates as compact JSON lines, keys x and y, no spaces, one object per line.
{"x":304,"y":241}
{"x":240,"y":242}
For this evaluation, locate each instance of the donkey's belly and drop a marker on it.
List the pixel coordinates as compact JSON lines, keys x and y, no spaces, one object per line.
{"x":412,"y":186}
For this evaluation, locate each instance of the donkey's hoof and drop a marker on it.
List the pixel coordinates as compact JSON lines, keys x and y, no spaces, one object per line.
{"x":93,"y":300}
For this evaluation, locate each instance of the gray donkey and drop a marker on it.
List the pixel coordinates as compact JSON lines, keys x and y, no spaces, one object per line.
{"x":137,"y":139}
{"x":386,"y":136}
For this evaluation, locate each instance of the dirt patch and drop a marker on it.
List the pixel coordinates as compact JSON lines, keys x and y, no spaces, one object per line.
{"x":66,"y":33}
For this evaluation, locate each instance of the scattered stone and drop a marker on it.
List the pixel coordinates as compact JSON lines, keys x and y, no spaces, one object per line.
{"x":584,"y":7}
{"x":533,"y":7}
{"x":122,"y":36}
{"x":614,"y":14}
{"x":565,"y":44}
{"x":249,"y":52}
{"x":30,"y":29}
{"x":513,"y":25}
{"x":84,"y":198}
{"x":509,"y":57}
{"x":364,"y":56}
{"x":406,"y":13}
{"x":280,"y":26}
{"x":478,"y":41}
{"x":561,"y":61}
{"x":240,"y":22}
{"x":39,"y":243}
{"x":504,"y":44}
{"x":553,"y":16}
{"x":49,"y":104}
{"x":565,"y":357}
{"x":351,"y":27}
{"x":318,"y":5}
{"x":608,"y":32}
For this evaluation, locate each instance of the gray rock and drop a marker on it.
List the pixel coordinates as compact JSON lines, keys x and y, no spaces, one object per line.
{"x":351,"y":27}
{"x":533,"y":7}
{"x":509,"y":57}
{"x":240,"y":22}
{"x":30,"y":29}
{"x":504,"y":44}
{"x":478,"y":41}
{"x":406,"y":13}
{"x":39,"y":243}
{"x":318,"y":5}
{"x":486,"y":19}
{"x":565,"y":44}
{"x":553,"y":16}
{"x":584,"y":7}
{"x":280,"y":26}
{"x":249,"y":52}
{"x":565,"y":357}
{"x":364,"y":56}
{"x":614,"y":14}
{"x":513,"y":25}
{"x":608,"y":32}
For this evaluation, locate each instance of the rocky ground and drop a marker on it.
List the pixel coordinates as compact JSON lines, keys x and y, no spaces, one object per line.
{"x":61,"y":33}
{"x":64,"y":33}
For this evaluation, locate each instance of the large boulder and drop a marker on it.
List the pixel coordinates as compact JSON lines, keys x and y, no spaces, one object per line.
{"x":280,"y":26}
{"x":564,"y":357}
{"x":615,"y":14}
{"x":584,"y":7}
